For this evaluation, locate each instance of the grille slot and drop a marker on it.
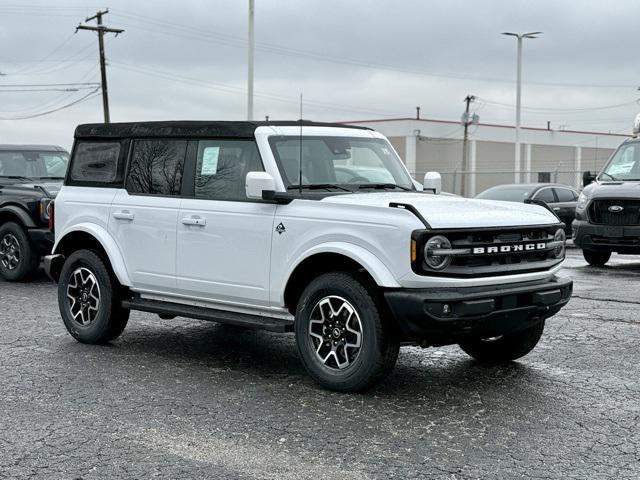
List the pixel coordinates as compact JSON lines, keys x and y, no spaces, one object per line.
{"x":599,"y":212}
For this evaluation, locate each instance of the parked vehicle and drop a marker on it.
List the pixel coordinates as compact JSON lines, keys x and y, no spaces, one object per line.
{"x":608,"y":211}
{"x":30,"y":177}
{"x":562,"y":199}
{"x":245,"y":223}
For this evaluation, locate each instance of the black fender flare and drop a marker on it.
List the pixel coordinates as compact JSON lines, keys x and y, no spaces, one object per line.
{"x":22,"y":215}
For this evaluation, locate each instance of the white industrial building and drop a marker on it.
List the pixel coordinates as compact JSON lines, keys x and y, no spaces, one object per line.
{"x":548,"y":155}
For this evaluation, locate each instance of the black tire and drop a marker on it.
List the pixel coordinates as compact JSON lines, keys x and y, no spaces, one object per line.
{"x":379,"y":346}
{"x":506,"y":348}
{"x":595,"y":258}
{"x":102,"y":320}
{"x":23,"y":250}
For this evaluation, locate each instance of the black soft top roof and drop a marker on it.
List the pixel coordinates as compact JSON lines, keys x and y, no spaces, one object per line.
{"x":227,"y":129}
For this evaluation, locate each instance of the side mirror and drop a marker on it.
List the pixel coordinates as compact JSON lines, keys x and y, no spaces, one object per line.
{"x":418,"y":185}
{"x":636,"y":125}
{"x":257,"y":183}
{"x":433,"y":182}
{"x":587,"y":178}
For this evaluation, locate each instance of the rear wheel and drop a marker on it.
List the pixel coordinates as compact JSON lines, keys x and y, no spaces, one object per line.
{"x":506,"y":347}
{"x":89,"y":299}
{"x":18,"y":257}
{"x":595,"y":258}
{"x":342,"y":337}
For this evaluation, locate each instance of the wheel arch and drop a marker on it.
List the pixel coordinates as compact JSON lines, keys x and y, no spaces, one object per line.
{"x":331,"y":258}
{"x":94,"y":238}
{"x":15,"y":213}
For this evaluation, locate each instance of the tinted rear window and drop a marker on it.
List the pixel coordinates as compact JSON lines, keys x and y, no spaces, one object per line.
{"x":156,"y":167}
{"x":95,"y":162}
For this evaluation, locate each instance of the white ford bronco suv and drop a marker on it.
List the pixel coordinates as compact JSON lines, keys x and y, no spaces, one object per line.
{"x":302,"y":227}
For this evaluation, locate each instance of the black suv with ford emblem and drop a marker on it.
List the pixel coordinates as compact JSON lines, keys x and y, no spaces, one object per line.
{"x":608,"y":209}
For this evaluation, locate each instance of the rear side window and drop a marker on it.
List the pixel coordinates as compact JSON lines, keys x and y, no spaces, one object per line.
{"x":545,"y":195}
{"x":156,"y":167}
{"x":95,"y":162}
{"x":566,"y":195}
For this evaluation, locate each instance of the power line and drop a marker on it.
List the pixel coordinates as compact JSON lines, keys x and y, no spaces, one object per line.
{"x":88,"y":96}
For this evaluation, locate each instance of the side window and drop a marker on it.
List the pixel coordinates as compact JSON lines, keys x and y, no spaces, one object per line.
{"x":222,"y":166}
{"x":545,"y":195}
{"x":156,"y":167}
{"x":565,"y":195}
{"x":95,"y":162}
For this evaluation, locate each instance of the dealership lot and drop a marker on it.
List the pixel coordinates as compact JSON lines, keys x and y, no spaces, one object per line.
{"x":190,"y":399}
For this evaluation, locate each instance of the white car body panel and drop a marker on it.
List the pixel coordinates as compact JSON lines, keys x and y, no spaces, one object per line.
{"x":227,"y":258}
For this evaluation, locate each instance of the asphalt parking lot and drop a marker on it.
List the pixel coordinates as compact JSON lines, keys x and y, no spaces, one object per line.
{"x":189,"y":399}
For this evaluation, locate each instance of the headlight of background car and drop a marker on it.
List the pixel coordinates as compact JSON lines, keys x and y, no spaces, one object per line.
{"x":582,"y":201}
{"x":559,"y":250}
{"x":433,"y":261}
{"x":43,"y":208}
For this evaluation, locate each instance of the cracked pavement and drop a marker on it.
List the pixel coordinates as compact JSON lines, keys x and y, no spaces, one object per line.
{"x":191,"y":399}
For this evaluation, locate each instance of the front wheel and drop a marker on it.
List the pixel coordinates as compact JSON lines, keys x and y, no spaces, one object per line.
{"x":597,"y":259}
{"x":504,"y":348}
{"x":89,"y":299}
{"x":342,"y":337}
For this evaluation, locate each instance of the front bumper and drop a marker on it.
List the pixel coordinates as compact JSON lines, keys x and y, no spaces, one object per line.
{"x":611,"y":238}
{"x":449,"y":315}
{"x":53,"y":266}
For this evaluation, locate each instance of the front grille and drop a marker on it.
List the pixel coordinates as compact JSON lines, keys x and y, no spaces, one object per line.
{"x":600,"y":213}
{"x":500,"y":263}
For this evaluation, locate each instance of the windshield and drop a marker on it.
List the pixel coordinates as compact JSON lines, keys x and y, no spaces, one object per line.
{"x":343,"y":163}
{"x":507,"y":193}
{"x":33,"y":164}
{"x":624,"y":164}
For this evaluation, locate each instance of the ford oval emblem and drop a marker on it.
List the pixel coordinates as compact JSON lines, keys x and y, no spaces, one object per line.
{"x":615,"y":208}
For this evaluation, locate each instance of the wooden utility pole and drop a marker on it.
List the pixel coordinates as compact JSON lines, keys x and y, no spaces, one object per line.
{"x":101,"y":29}
{"x":467,"y":121}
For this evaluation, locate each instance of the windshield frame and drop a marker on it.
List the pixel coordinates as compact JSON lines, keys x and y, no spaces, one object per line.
{"x":614,"y":156}
{"x":59,"y":153}
{"x":341,"y":187}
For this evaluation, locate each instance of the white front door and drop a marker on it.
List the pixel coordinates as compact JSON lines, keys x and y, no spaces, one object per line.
{"x":224,"y":250}
{"x":224,"y":240}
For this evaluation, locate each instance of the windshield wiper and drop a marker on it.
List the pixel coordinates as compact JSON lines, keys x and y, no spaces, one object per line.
{"x":318,"y":186}
{"x":16,"y":177}
{"x":610,"y":176}
{"x":382,"y":186}
{"x":51,"y":178}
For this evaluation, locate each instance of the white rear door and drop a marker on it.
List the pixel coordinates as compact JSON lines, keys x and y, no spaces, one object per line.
{"x":144,"y":216}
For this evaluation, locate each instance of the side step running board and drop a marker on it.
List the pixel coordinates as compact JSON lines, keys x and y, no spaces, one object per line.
{"x":201,"y":313}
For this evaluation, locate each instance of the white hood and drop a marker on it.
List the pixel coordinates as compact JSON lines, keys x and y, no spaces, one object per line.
{"x":456,"y":212}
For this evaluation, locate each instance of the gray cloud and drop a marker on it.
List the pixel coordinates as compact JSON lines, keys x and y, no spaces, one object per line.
{"x":436,"y":53}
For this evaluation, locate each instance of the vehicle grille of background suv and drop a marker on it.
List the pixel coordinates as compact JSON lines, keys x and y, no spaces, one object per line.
{"x":599,"y":212}
{"x":472,"y":265}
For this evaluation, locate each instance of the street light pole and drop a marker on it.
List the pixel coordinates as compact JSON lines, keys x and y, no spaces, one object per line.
{"x":250,"y":61}
{"x":520,"y":37}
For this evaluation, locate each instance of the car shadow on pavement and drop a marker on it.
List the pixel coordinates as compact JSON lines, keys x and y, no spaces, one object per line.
{"x":207,"y":345}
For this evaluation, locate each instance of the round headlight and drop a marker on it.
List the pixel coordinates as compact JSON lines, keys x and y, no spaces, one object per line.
{"x":559,"y":236}
{"x":431,"y":258}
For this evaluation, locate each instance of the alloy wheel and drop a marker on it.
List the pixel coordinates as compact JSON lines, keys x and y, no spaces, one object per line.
{"x":9,"y":252}
{"x":335,"y":332}
{"x":83,"y":294}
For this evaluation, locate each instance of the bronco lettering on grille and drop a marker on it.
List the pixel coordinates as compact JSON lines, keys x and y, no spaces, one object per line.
{"x":523,"y":247}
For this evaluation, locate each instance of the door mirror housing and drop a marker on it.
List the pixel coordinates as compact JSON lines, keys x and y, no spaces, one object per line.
{"x":259,"y":183}
{"x":587,"y":178}
{"x":433,"y":182}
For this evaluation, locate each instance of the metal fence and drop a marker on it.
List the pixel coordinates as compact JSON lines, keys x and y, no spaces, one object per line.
{"x":470,"y":183}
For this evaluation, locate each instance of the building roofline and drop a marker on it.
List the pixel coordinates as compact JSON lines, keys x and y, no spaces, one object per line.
{"x":496,"y":125}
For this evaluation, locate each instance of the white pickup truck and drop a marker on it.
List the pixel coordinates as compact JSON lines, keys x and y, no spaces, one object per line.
{"x":302,"y":227}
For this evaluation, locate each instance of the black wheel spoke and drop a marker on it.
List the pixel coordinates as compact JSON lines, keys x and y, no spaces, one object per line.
{"x":83,"y":296}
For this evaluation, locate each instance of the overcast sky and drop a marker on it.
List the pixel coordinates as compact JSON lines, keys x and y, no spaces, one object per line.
{"x":352,"y":60}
